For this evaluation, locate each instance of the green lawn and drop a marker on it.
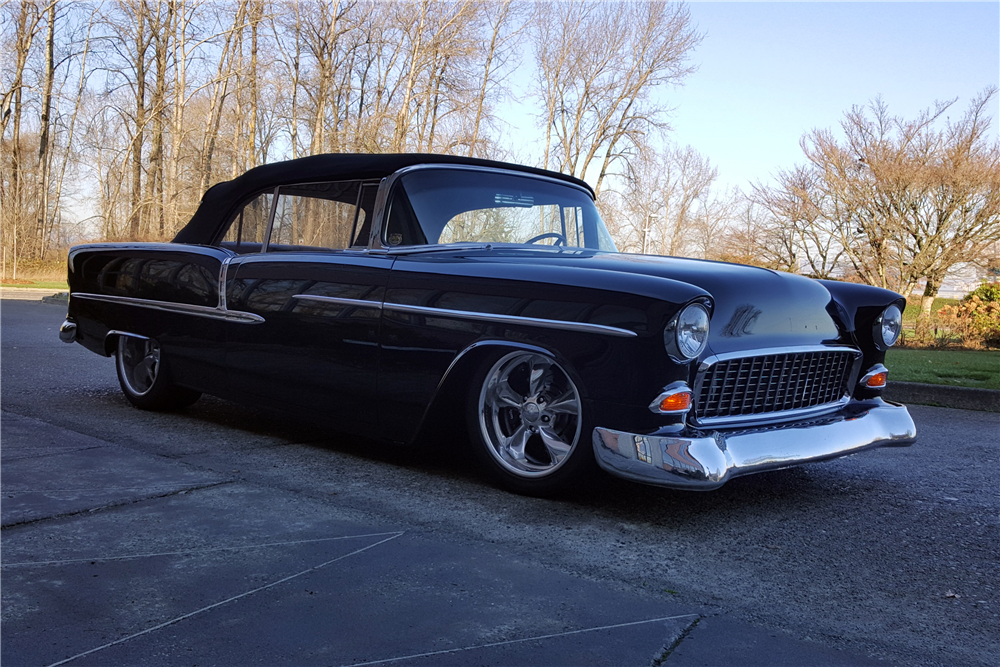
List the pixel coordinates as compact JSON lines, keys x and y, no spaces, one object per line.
{"x":963,"y":368}
{"x":42,"y":284}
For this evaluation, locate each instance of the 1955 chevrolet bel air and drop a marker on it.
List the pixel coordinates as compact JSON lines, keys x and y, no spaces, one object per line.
{"x":381,"y":294}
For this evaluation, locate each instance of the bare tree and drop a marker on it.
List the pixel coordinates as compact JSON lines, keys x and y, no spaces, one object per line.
{"x":793,"y":210}
{"x":504,"y":29}
{"x":903,"y":200}
{"x":26,"y":25}
{"x":599,"y":65}
{"x":670,"y":202}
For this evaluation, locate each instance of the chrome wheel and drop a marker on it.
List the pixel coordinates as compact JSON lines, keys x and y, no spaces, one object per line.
{"x":138,"y":363}
{"x":529,"y":414}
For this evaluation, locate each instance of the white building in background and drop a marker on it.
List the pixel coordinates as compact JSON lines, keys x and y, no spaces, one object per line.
{"x":961,"y":280}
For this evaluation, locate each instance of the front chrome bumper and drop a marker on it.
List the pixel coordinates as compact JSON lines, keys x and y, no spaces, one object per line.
{"x":705,"y":460}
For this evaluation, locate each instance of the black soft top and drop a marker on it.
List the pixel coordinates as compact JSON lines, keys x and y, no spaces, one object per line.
{"x":222,"y":199}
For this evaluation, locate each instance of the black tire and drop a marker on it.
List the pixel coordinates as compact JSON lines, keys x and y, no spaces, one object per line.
{"x":144,"y":379}
{"x":527,"y":425}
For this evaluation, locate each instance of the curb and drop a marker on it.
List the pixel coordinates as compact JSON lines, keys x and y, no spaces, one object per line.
{"x":963,"y":398}
{"x":62,"y":298}
{"x":33,"y":294}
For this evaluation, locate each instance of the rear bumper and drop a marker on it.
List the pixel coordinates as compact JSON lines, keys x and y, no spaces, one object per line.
{"x":705,"y":460}
{"x":67,"y":332}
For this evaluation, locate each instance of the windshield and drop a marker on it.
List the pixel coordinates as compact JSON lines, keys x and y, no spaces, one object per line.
{"x":458,"y":205}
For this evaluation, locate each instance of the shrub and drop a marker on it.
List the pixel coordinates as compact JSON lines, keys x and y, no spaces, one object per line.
{"x":976,"y":321}
{"x":987,"y":292}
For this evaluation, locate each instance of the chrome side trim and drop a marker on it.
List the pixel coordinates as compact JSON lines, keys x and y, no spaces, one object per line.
{"x":340,"y":301}
{"x":564,"y":325}
{"x":180,"y":308}
{"x":705,"y":460}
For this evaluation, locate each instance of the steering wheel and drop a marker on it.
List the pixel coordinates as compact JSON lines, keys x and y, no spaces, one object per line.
{"x":560,"y":239}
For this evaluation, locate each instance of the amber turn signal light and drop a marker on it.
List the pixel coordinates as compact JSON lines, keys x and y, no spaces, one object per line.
{"x":876,"y":378}
{"x":676,"y":402}
{"x":676,"y":399}
{"x":877,"y":381}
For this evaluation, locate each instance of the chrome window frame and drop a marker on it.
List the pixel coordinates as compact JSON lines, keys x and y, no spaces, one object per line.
{"x":388,"y":183}
{"x":272,"y":211}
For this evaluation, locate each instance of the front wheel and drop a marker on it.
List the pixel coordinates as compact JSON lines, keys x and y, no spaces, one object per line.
{"x":143,"y":379}
{"x":527,"y":425}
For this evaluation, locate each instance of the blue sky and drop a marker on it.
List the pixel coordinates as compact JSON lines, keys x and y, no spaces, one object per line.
{"x":771,"y":71}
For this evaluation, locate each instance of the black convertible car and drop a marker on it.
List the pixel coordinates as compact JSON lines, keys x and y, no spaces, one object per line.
{"x":384,"y":294}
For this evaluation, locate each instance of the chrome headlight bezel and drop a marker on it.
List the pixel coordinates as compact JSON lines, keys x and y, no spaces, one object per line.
{"x":686,"y":335}
{"x":888,"y":327}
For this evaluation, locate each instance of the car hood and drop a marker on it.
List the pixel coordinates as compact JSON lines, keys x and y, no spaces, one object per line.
{"x":754,"y":308}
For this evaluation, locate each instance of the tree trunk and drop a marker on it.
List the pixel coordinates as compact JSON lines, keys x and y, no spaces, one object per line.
{"x":141,"y":44}
{"x":44,"y":161}
{"x":154,"y":177}
{"x":926,"y":305}
{"x":179,"y":47}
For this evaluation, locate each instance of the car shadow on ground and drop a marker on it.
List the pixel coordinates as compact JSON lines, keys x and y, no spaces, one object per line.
{"x":447,"y":455}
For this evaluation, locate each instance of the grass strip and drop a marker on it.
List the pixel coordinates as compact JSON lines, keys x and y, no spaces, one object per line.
{"x":41,"y":284}
{"x":959,"y":368}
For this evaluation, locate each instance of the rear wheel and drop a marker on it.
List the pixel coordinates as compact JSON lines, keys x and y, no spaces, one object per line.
{"x":143,"y":378}
{"x":527,"y":424}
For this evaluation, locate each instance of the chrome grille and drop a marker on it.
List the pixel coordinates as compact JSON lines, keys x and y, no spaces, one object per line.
{"x":757,"y":385}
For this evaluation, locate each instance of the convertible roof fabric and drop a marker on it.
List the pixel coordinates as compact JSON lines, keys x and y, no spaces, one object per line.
{"x":221,"y":200}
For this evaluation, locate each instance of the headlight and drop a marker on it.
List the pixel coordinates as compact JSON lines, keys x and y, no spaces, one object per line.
{"x":687,"y":334}
{"x":888,"y":326}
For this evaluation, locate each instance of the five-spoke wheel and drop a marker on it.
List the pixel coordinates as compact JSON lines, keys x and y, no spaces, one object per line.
{"x":143,"y":379}
{"x":528,"y":418}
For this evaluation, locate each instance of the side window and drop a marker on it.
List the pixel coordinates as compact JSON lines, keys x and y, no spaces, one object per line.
{"x":315,"y":215}
{"x":247,"y":230}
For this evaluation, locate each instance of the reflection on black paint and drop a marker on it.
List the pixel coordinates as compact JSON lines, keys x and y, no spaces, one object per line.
{"x":742,"y":322}
{"x":158,"y":279}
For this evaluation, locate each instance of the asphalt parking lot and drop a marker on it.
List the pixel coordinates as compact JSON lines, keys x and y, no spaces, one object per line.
{"x":220,"y":536}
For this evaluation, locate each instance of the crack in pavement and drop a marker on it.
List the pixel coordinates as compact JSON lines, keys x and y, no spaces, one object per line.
{"x":189,"y":552}
{"x":519,"y":641}
{"x":101,"y":508}
{"x":667,"y":650}
{"x":226,"y":601}
{"x":50,"y":451}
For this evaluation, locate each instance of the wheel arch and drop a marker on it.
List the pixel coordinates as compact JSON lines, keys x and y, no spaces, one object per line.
{"x":111,"y":340}
{"x":456,"y":377}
